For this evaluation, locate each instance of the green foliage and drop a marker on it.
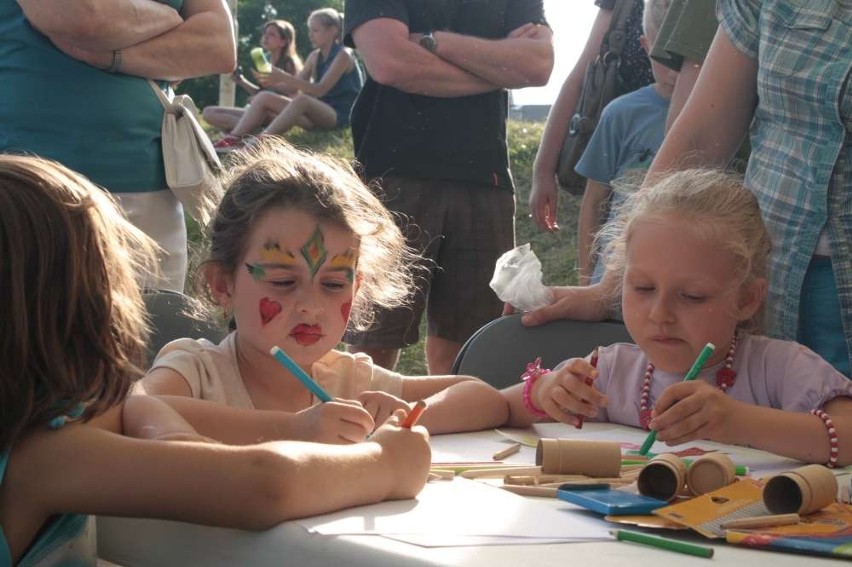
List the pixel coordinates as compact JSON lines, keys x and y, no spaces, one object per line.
{"x":251,"y":15}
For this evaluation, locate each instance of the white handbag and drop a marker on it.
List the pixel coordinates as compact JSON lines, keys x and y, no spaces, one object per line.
{"x":192,"y":166}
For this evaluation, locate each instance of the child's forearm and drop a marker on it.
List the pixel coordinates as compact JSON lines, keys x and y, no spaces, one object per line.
{"x":147,"y":417}
{"x":471,"y":405}
{"x":797,"y":435}
{"x":519,"y":415}
{"x":233,"y":426}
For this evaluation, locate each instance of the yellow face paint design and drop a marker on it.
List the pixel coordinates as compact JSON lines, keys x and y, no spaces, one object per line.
{"x":272,"y":254}
{"x":345,"y":263}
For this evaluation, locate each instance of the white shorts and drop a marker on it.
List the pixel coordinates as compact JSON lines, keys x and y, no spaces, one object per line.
{"x":160,"y":215}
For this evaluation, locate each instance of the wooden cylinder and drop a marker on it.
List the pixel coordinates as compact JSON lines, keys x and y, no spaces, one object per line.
{"x":803,"y":490}
{"x":663,"y":477}
{"x":709,"y":472}
{"x":571,"y":456}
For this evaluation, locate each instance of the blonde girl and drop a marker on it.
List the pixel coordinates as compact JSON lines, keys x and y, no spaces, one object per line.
{"x":327,"y":87}
{"x":691,"y":253}
{"x":73,"y":334}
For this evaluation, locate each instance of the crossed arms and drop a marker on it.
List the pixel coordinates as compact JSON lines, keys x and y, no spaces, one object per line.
{"x":157,"y":42}
{"x":461,"y":66}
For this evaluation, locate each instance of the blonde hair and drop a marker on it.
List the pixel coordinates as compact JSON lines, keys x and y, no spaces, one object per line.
{"x":330,"y":18}
{"x":722,"y":211}
{"x":276,"y":175}
{"x":74,"y":324}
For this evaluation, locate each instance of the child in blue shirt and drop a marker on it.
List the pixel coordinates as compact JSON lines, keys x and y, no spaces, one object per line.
{"x":624,"y":144}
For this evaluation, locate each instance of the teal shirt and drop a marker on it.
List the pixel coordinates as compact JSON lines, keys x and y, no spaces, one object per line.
{"x":106,"y":126}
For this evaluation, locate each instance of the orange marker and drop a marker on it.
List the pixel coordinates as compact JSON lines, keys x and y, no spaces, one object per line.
{"x":594,"y":362}
{"x":414,"y":414}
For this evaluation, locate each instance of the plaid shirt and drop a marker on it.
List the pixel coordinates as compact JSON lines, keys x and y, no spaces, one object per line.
{"x":801,"y":162}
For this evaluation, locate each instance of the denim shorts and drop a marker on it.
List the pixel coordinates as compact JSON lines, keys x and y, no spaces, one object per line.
{"x":461,"y":229}
{"x":820,"y":321}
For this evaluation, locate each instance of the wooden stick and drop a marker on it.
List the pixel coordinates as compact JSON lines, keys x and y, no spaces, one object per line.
{"x":507,"y":452}
{"x":533,"y":480}
{"x":761,"y":522}
{"x":531,"y":490}
{"x":438,"y":474}
{"x":497,"y":472}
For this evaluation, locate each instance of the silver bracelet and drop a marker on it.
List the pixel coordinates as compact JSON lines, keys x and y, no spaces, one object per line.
{"x":116,"y":62}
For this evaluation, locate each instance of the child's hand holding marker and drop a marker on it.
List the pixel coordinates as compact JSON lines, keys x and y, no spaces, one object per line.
{"x":593,"y":360}
{"x":381,"y":405}
{"x":568,"y":394}
{"x":406,"y":452}
{"x":337,"y":422}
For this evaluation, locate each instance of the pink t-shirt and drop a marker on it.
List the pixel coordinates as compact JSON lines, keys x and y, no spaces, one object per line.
{"x":770,"y":373}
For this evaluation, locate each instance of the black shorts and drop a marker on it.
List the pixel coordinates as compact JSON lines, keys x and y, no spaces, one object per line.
{"x":461,"y":229}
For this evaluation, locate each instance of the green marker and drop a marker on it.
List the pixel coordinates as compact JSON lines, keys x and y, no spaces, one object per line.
{"x":691,"y":375}
{"x":663,"y":543}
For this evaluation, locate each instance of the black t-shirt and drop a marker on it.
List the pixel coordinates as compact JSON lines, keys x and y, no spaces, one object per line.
{"x":462,"y":138}
{"x":635,"y":67}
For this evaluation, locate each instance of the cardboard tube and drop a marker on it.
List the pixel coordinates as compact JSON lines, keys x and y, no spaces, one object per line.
{"x":803,"y":490}
{"x":663,"y":477}
{"x":710,"y":472}
{"x":570,"y":456}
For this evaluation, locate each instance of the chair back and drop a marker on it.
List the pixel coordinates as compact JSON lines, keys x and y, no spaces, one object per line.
{"x":499,"y":351}
{"x":169,"y":321}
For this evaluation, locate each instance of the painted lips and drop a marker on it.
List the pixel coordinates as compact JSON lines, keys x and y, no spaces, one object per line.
{"x":306,"y":335}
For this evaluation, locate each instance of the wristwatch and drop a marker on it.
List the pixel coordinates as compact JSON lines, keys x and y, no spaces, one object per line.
{"x":427,"y":42}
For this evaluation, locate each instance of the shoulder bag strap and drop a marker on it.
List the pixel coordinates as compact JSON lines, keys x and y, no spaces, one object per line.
{"x":161,"y":96}
{"x":616,"y":36}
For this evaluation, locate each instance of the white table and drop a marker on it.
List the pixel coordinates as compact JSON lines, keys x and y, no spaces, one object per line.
{"x":133,"y":542}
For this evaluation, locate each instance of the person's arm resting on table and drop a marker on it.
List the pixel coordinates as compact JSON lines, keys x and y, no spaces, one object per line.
{"x":394,"y":60}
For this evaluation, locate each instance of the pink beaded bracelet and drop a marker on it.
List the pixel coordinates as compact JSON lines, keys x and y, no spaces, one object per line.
{"x":534,"y":372}
{"x":833,"y":448}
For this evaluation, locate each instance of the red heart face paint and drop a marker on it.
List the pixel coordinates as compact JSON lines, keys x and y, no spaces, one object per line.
{"x":307,"y":335}
{"x":268,"y":310}
{"x":345,"y":309}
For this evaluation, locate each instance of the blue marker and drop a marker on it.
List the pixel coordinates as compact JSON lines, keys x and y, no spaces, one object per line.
{"x":297,"y":371}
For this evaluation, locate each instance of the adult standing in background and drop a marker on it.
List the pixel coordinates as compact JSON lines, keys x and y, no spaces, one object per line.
{"x":786,"y":66}
{"x":73,"y":88}
{"x":430,"y":125}
{"x":780,"y":69}
{"x":634,"y":72}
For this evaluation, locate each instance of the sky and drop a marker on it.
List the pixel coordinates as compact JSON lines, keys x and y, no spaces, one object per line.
{"x":571,"y":21}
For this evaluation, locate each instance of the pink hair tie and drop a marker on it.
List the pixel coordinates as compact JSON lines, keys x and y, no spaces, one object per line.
{"x":533,"y":373}
{"x":833,"y":448}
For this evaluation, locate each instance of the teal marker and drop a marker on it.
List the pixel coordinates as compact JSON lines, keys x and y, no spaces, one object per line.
{"x":691,"y":375}
{"x":297,"y":371}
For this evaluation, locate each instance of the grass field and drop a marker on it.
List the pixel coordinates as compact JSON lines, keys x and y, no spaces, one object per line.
{"x":556,"y":251}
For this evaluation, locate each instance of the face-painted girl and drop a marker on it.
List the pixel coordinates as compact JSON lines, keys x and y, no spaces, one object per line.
{"x":295,"y":285}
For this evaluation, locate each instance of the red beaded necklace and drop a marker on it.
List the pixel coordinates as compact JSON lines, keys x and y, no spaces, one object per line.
{"x":725,"y":377}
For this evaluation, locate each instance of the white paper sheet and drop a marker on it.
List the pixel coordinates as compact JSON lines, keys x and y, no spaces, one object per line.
{"x":448,"y":511}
